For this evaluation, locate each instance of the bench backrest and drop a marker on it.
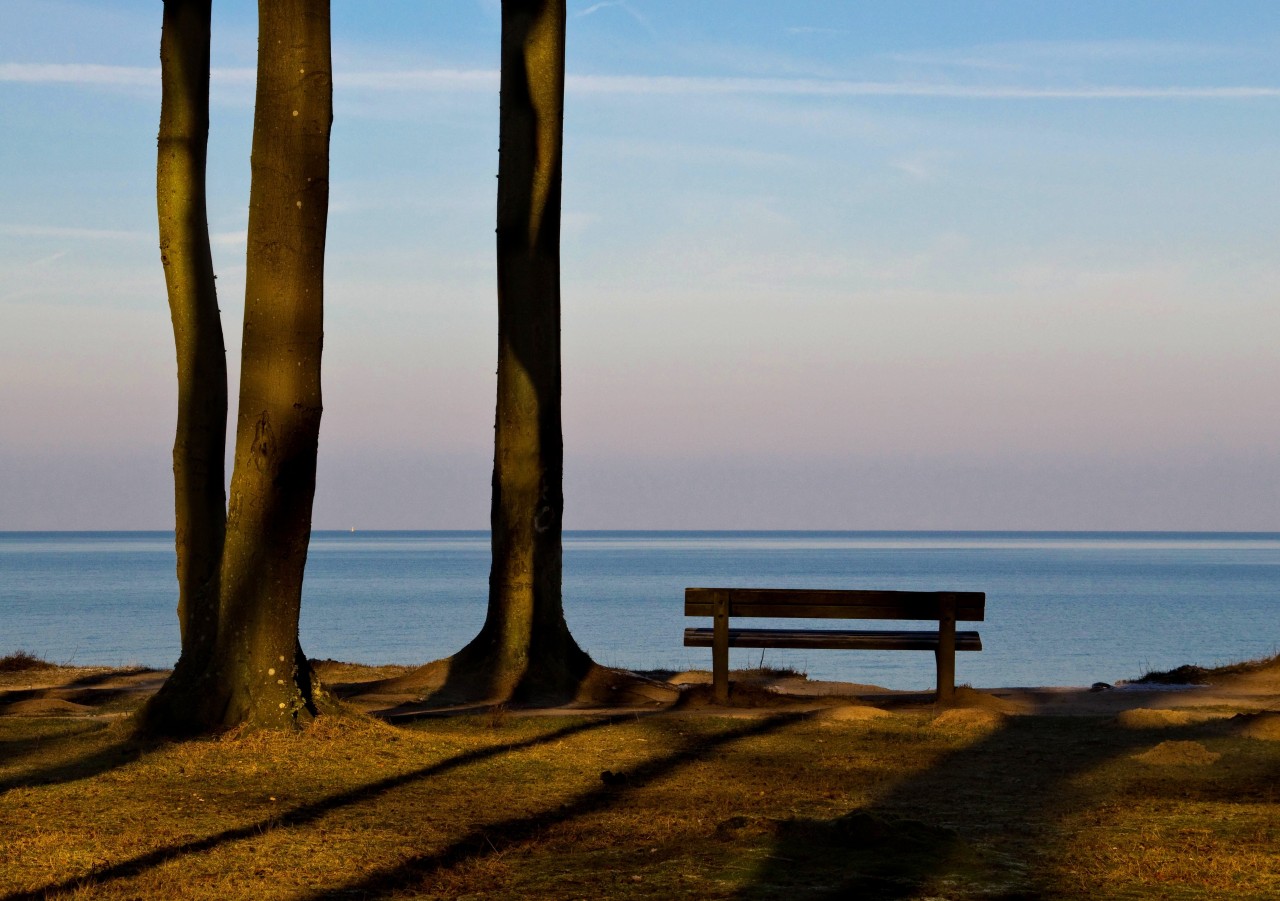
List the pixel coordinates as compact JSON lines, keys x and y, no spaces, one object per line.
{"x":970,"y":606}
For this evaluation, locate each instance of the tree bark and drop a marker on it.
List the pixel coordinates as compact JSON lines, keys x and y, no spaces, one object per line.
{"x":199,"y":444}
{"x":524,"y":649}
{"x":264,"y":678}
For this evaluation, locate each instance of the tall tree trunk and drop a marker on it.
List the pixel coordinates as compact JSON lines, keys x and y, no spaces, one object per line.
{"x":200,"y":441}
{"x":264,"y":678}
{"x":524,"y":649}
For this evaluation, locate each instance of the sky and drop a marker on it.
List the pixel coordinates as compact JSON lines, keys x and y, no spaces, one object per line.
{"x":827,"y":264}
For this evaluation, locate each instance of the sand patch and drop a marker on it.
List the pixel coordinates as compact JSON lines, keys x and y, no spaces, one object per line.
{"x":691,"y":677}
{"x":45,"y":707}
{"x":975,"y":719}
{"x":971,"y":698}
{"x":1178,"y":753}
{"x":854,"y":713}
{"x":1149,"y":718}
{"x":1260,"y":726}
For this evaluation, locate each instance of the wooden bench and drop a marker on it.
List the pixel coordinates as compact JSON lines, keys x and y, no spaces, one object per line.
{"x":944,"y":607}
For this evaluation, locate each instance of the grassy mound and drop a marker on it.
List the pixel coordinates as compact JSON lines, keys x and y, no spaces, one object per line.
{"x":22,"y":662}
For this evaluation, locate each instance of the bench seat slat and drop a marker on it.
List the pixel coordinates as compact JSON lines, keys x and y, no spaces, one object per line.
{"x":833,"y":639}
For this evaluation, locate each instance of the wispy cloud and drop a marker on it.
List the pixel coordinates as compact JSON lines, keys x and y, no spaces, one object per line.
{"x":921,"y":166}
{"x":483,"y":80}
{"x":48,"y":260}
{"x":813,"y":29}
{"x":1004,"y":55}
{"x":973,"y":61}
{"x":91,"y":74}
{"x":18,"y":230}
{"x":616,"y":4}
{"x":596,"y":7}
{"x":80,"y":73}
{"x":674,"y":84}
{"x":443,"y":80}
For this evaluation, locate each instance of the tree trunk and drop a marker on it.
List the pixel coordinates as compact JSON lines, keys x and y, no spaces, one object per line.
{"x":524,"y":649}
{"x":240,"y":569}
{"x":200,"y":441}
{"x":264,"y":677}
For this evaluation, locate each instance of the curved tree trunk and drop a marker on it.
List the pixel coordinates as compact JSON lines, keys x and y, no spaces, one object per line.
{"x":524,"y":649}
{"x":240,"y":571}
{"x":264,"y":679}
{"x":200,"y":441}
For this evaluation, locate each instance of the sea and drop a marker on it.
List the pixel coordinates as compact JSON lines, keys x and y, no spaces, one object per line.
{"x":1063,"y":608}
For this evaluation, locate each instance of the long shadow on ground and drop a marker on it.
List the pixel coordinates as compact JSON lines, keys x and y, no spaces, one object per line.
{"x":949,"y":830}
{"x":496,"y":838}
{"x":300,"y":815}
{"x":103,"y":759}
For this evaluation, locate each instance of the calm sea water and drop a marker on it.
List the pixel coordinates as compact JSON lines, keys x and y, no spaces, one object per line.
{"x":1062,"y":608}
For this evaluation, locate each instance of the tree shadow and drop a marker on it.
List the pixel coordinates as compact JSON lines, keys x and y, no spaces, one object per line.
{"x":92,"y":690}
{"x":949,"y":829}
{"x":1248,"y":774}
{"x":302,"y":814}
{"x":131,"y":674}
{"x":124,"y":750}
{"x":446,"y":688}
{"x":496,"y":838}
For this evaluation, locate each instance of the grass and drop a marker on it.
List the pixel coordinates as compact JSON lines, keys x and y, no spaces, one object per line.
{"x":22,"y":662}
{"x":774,"y":804}
{"x":1190,"y":674}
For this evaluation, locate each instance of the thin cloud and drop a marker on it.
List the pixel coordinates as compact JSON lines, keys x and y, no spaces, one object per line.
{"x":618,"y":4}
{"x":229,"y":239}
{"x":434,"y":80}
{"x":80,"y":73}
{"x":624,"y":84}
{"x":18,"y":230}
{"x":1020,"y":53}
{"x":477,"y":80}
{"x":51,"y":258}
{"x":813,"y":29}
{"x":91,"y":74}
{"x":596,"y":7}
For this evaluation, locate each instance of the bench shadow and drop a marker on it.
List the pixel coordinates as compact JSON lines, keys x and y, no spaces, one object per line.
{"x":298,"y":816}
{"x":932,"y":833}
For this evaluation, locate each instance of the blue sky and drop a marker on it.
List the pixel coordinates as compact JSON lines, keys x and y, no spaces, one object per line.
{"x":826,"y":264}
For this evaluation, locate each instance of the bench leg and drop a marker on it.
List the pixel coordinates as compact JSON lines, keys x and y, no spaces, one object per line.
{"x":946,"y":652}
{"x":720,"y":649}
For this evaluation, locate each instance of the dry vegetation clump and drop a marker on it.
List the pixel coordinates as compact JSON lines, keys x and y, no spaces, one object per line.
{"x":23,"y":662}
{"x":1263,"y":726}
{"x":854,"y":713}
{"x":742,"y":696}
{"x":1178,"y":753}
{"x":1149,"y":718}
{"x":1190,"y":674}
{"x":337,"y":672}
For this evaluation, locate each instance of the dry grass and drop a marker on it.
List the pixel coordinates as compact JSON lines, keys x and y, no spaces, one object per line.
{"x":23,"y":662}
{"x":1190,"y":674}
{"x":770,"y":804}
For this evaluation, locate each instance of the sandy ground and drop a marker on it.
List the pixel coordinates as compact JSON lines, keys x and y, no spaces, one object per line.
{"x":101,"y":692}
